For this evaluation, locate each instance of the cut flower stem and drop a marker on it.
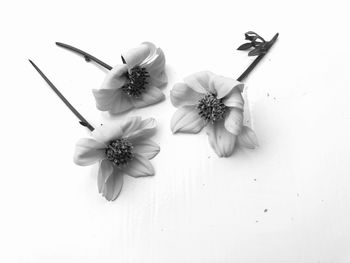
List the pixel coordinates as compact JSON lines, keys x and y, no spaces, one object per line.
{"x":87,"y":56}
{"x":257,"y":60}
{"x":83,"y":121}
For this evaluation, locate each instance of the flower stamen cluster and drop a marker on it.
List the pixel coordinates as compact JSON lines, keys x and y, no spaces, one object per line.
{"x":211,"y":109}
{"x":119,"y":152}
{"x":136,"y":82}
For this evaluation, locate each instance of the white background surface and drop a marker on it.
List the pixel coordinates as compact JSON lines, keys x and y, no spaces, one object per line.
{"x":198,"y":208}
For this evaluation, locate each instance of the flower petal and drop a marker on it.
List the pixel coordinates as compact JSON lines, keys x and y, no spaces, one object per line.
{"x":144,"y":129}
{"x":122,"y":103}
{"x":104,"y":98}
{"x":151,"y":96}
{"x":234,"y":121}
{"x":115,"y":78}
{"x":88,"y":151}
{"x":137,"y":55}
{"x":152,"y":55}
{"x":107,"y":132}
{"x":130,"y":125}
{"x":155,"y":66}
{"x":181,"y":95}
{"x":223,"y":85}
{"x":114,"y":101}
{"x":113,"y":185}
{"x":200,"y":82}
{"x":234,"y":99}
{"x":105,"y":170}
{"x":222,"y":141}
{"x":158,"y":80}
{"x":139,"y":167}
{"x":186,"y":119}
{"x":147,"y":148}
{"x":156,"y":63}
{"x":247,"y":138}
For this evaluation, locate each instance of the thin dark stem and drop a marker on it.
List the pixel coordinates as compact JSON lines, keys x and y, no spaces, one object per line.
{"x":83,"y":121}
{"x":87,"y":56}
{"x":123,"y":59}
{"x":257,"y":60}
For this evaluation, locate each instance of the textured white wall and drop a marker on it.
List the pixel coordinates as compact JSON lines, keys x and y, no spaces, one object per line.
{"x":198,"y":208}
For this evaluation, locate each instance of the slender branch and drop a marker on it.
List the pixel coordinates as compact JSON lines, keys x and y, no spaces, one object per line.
{"x":123,"y":59}
{"x":83,"y":121}
{"x":257,"y":60}
{"x":87,"y":56}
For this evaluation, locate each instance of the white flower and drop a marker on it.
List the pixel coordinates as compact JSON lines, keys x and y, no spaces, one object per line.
{"x":206,"y":99}
{"x":120,"y":149}
{"x":135,"y":83}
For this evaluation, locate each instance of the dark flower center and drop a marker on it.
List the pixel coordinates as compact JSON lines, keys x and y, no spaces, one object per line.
{"x":211,"y":108}
{"x":119,"y":152}
{"x":136,"y":82}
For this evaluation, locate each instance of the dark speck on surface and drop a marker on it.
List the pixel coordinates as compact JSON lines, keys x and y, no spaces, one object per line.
{"x":255,"y":179}
{"x":268,"y":94}
{"x":265,"y":210}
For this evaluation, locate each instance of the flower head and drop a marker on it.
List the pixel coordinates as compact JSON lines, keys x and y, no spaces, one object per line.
{"x":206,"y":99}
{"x":134,"y":84}
{"x":120,"y":149}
